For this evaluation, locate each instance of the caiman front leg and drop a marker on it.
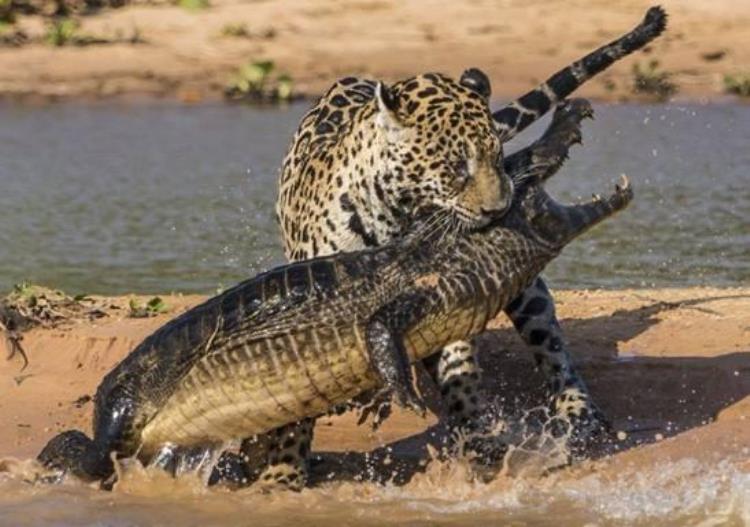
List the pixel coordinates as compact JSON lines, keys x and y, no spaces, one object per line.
{"x":390,"y":361}
{"x":388,"y":356}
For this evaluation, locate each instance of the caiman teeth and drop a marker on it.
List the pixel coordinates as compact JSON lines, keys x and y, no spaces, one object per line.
{"x":624,"y":183}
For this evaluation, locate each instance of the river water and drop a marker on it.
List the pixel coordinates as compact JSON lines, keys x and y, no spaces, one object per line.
{"x":158,"y":198}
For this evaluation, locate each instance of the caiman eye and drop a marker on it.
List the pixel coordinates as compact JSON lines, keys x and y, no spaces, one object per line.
{"x":460,"y":174}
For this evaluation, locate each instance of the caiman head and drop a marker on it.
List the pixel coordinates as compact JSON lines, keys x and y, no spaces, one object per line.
{"x":533,"y":211}
{"x":554,"y":224}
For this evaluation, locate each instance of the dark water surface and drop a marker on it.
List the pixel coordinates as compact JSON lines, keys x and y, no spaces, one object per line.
{"x":158,"y":198}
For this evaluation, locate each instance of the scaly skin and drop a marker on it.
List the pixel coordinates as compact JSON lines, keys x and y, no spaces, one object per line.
{"x":292,"y":342}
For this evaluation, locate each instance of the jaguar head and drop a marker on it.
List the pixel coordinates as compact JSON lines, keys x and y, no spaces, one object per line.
{"x":443,"y":152}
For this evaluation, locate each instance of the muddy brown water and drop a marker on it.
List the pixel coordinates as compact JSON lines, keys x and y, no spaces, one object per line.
{"x":679,"y":493}
{"x":157,"y":198}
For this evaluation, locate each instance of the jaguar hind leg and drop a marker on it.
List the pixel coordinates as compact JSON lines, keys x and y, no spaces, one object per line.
{"x":274,"y":460}
{"x":458,"y":376}
{"x":286,"y":464}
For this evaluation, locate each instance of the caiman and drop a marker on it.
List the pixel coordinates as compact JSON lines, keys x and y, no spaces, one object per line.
{"x":297,"y":340}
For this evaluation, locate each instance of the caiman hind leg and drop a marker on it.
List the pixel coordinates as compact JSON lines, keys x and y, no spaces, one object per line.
{"x":73,"y":452}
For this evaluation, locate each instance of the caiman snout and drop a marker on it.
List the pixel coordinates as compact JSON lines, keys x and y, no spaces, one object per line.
{"x":558,"y":224}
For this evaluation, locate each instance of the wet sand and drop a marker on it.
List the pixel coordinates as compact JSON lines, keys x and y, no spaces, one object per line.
{"x":518,"y":43}
{"x":661,"y":363}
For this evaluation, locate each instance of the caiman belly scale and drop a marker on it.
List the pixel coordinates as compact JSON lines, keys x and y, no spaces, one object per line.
{"x":251,"y":383}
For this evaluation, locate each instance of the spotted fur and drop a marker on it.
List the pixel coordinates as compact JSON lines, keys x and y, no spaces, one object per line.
{"x":368,"y":158}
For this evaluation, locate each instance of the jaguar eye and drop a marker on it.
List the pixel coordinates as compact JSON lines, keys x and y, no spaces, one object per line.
{"x":460,"y":174}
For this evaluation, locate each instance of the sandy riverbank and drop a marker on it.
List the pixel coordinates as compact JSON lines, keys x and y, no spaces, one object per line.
{"x":672,"y":364}
{"x":183,"y":54}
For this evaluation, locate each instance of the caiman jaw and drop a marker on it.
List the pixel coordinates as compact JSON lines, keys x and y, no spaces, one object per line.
{"x":585,"y":215}
{"x":559,"y":224}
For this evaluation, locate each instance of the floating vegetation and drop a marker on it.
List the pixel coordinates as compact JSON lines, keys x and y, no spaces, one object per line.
{"x":153,"y":307}
{"x":737,"y":84}
{"x":255,"y":83}
{"x":653,"y":82}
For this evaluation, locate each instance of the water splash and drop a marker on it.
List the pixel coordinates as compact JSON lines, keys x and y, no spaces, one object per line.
{"x":682,"y":492}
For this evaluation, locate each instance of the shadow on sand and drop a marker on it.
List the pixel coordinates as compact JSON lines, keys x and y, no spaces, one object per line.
{"x":642,"y":396}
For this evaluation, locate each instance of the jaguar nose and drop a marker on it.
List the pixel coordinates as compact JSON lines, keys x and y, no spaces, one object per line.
{"x":494,"y":213}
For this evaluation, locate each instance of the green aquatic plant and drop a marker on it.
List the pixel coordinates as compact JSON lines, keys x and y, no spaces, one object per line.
{"x":652,"y":81}
{"x":254,"y":82}
{"x":153,"y":307}
{"x":737,"y":84}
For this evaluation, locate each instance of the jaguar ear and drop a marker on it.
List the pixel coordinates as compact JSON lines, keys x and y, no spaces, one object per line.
{"x":477,"y":81}
{"x":388,"y":104}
